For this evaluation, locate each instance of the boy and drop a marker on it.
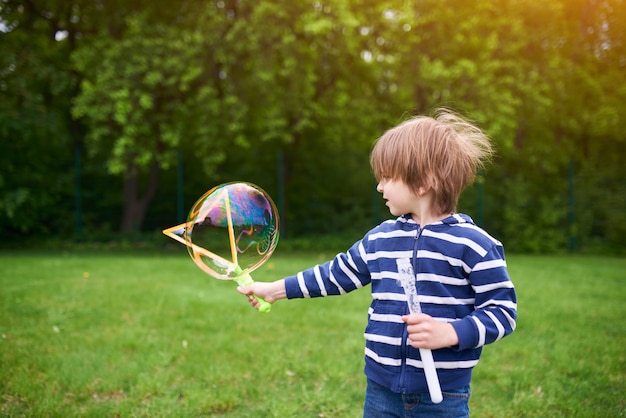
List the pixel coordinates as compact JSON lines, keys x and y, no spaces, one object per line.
{"x":466,"y":297}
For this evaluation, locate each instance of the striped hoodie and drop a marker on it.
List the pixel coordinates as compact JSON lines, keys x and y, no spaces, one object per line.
{"x":460,"y":277}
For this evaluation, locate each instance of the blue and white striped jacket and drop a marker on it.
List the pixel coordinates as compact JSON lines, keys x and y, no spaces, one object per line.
{"x":461,"y":278}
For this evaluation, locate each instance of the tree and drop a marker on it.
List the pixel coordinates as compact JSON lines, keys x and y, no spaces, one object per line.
{"x":309,"y":98}
{"x":36,"y":132}
{"x":142,"y":96}
{"x":246,"y":90}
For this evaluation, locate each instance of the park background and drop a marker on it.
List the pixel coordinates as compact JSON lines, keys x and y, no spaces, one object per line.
{"x":116,"y":115}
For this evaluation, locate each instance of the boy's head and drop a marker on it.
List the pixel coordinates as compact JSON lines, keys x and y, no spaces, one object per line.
{"x":441,"y":153}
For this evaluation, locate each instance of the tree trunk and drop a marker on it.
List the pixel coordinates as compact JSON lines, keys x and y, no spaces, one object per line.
{"x":135,"y":205}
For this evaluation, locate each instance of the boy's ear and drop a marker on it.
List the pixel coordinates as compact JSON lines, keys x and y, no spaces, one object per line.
{"x":425,"y":187}
{"x":423,"y":190}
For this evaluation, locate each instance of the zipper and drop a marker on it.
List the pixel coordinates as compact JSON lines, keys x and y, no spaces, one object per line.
{"x":414,"y":259}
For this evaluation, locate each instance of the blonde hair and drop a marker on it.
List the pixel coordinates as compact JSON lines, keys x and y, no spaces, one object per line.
{"x":442,"y":152}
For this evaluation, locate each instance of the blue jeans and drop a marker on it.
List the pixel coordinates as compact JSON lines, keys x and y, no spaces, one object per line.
{"x":380,"y":402}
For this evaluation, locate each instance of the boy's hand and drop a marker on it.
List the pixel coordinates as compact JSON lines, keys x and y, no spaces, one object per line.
{"x":427,"y":332}
{"x":271,"y":292}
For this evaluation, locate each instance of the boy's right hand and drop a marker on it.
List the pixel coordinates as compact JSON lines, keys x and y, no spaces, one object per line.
{"x":270,"y":292}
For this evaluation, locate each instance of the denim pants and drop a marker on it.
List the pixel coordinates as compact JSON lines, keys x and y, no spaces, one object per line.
{"x":380,"y":402}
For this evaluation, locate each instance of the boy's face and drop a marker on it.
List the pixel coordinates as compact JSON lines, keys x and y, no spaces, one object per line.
{"x":400,"y":198}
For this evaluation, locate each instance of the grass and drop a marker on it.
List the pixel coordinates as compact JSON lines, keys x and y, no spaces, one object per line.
{"x":149,"y":335}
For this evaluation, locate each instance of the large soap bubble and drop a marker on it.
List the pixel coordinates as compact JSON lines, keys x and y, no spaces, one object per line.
{"x":230,"y":231}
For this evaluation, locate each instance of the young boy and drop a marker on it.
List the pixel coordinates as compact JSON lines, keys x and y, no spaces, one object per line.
{"x":466,"y":297}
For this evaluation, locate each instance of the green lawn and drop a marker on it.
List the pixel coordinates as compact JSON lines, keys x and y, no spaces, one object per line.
{"x":152,"y":336}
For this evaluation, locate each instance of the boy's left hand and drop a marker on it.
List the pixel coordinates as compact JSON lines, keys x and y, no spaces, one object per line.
{"x":427,"y":332}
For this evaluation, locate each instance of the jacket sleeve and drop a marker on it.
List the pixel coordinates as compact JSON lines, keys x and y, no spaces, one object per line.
{"x":346,"y":272}
{"x":495,"y":303}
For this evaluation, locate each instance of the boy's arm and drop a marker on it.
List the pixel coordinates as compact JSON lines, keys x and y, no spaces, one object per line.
{"x":345,"y":273}
{"x":495,"y":313}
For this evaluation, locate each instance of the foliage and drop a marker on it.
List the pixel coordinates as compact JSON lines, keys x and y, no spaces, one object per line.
{"x":146,"y":103}
{"x":35,"y":89}
{"x":291,"y":95}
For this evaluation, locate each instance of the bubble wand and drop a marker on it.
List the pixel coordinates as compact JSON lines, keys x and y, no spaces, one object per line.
{"x":243,"y":214}
{"x":407,"y":279}
{"x":242,"y":278}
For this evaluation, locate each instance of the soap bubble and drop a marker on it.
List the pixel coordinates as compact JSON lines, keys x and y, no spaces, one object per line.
{"x":231,"y":230}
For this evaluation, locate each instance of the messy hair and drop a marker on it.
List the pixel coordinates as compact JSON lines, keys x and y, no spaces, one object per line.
{"x":443,"y":152}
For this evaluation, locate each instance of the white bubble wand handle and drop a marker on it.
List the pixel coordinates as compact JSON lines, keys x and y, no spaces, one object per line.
{"x":407,"y":279}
